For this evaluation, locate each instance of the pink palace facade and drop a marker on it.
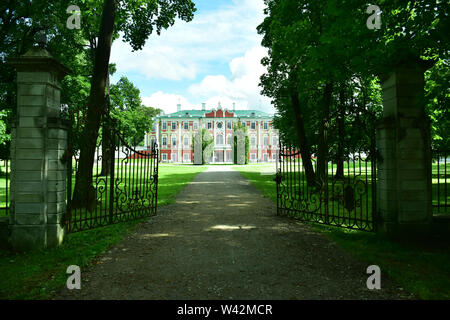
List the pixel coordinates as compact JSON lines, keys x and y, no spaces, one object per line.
{"x":174,"y":134}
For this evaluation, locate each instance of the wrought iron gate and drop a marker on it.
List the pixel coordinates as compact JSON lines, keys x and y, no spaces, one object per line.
{"x":126,"y":185}
{"x":347,"y":201}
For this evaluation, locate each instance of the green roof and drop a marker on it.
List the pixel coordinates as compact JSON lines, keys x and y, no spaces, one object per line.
{"x":201,"y":113}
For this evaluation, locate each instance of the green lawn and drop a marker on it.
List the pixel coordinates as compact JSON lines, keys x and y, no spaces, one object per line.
{"x":35,"y":275}
{"x":422,"y":269}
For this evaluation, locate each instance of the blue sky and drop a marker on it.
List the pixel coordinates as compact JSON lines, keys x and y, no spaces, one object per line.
{"x":214,"y":58}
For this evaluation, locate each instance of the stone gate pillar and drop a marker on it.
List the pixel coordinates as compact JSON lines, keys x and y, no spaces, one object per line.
{"x":404,"y":164}
{"x":38,"y":141}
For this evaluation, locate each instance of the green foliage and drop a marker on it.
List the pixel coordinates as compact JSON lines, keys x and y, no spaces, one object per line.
{"x":313,"y":44}
{"x":437,"y":97}
{"x":133,"y":118}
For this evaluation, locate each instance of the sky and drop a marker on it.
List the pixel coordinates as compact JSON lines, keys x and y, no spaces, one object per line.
{"x":214,"y":58}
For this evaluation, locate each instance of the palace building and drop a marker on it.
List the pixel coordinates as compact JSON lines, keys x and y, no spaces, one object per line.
{"x":174,"y":134}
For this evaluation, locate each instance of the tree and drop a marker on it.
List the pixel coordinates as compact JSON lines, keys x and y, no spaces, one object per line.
{"x":323,"y":65}
{"x":132,"y":117}
{"x":239,"y":126}
{"x":137,"y":19}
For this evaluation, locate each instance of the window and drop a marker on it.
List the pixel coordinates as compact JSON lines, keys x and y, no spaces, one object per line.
{"x":164,"y":141}
{"x":274,"y":156}
{"x":186,"y":157}
{"x":229,"y":141}
{"x":266,"y":141}
{"x":195,"y":125}
{"x":243,"y":123}
{"x":209,"y":125}
{"x":253,"y":142}
{"x":174,"y":157}
{"x":253,"y":125}
{"x":229,"y":125}
{"x":174,"y":126}
{"x":164,"y":126}
{"x":186,"y":141}
{"x":164,"y":157}
{"x":219,"y":139}
{"x":152,"y":141}
{"x":186,"y":126}
{"x":253,"y":156}
{"x":219,"y":125}
{"x":274,"y":141}
{"x":266,"y":125}
{"x":154,"y":128}
{"x":174,"y":141}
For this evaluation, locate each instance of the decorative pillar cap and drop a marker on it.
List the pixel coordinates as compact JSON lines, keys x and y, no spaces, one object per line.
{"x":38,"y":59}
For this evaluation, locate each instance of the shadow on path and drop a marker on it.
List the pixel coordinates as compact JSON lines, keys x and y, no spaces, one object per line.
{"x":222,"y":240}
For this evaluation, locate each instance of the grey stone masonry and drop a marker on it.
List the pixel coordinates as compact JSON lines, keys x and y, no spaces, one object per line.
{"x":39,"y":139}
{"x":404,"y":165}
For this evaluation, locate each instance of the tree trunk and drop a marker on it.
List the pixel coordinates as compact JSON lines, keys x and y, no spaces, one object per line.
{"x":341,"y":134}
{"x":305,"y":149}
{"x":322,"y":154}
{"x":84,"y":193}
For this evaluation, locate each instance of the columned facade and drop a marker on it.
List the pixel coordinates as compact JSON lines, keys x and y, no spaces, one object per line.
{"x":174,"y":133}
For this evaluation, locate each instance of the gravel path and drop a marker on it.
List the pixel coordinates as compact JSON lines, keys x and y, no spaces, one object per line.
{"x":222,"y":240}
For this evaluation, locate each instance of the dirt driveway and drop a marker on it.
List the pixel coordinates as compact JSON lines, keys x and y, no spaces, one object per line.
{"x":222,"y":240}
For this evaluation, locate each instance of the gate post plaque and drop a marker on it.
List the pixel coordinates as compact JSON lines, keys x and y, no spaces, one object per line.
{"x":38,"y":141}
{"x":404,"y":165}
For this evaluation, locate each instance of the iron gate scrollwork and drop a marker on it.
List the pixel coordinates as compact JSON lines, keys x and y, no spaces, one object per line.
{"x":125,"y":181}
{"x":346,"y":201}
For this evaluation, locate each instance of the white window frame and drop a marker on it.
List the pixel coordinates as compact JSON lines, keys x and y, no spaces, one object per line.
{"x":253,"y":125}
{"x":184,"y":125}
{"x":195,"y":125}
{"x":174,"y":138}
{"x":186,"y":157}
{"x":172,"y":124}
{"x":164,"y":144}
{"x":186,"y":138}
{"x":265,"y":126}
{"x":229,"y":125}
{"x":164,"y":157}
{"x":209,"y":125}
{"x":264,"y":141}
{"x":164,"y":125}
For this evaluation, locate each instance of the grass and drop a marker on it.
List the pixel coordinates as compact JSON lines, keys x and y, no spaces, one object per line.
{"x":420,"y":268}
{"x":37,"y":274}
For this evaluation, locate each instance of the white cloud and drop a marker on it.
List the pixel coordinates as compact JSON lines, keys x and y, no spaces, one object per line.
{"x":242,"y":88}
{"x":189,"y":51}
{"x":186,"y":49}
{"x":167,"y":102}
